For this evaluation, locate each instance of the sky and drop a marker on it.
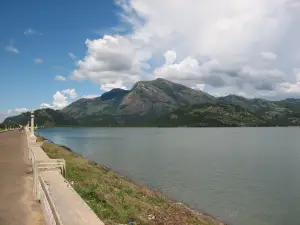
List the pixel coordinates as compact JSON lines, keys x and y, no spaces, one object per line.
{"x":55,"y":52}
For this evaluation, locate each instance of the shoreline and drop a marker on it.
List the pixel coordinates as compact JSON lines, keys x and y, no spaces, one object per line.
{"x":206,"y":218}
{"x":167,"y":127}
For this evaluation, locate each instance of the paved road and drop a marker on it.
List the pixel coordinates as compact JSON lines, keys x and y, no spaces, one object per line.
{"x":17,"y":206}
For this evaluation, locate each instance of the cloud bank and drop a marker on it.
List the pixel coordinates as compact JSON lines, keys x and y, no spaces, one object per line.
{"x":245,"y":46}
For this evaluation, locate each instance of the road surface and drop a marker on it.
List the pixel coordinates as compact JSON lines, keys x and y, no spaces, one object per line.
{"x":17,"y":206}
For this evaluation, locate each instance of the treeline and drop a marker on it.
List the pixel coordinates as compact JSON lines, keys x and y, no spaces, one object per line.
{"x":12,"y":125}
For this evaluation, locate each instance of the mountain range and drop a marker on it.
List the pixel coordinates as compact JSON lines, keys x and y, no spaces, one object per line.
{"x":163,"y":103}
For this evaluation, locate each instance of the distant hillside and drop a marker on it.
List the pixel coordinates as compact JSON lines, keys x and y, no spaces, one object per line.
{"x":277,"y":113}
{"x":150,"y":101}
{"x":45,"y":117}
{"x":146,"y":99}
{"x":210,"y":115}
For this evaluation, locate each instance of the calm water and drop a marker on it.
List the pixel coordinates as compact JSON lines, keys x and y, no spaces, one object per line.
{"x":244,"y":176}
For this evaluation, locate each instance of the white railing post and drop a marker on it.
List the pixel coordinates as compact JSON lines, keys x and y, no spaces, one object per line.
{"x":32,"y":122}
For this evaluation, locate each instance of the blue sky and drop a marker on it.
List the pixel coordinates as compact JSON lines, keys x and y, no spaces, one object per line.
{"x":58,"y":28}
{"x":54,"y":52}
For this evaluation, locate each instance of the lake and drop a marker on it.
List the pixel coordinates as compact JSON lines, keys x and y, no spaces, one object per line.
{"x":243,"y":176}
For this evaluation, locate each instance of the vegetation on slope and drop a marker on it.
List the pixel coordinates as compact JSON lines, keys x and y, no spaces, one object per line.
{"x":44,"y":117}
{"x":115,"y":199}
{"x":277,"y":113}
{"x":203,"y":115}
{"x":150,"y":102}
{"x":211,"y":115}
{"x":145,"y":99}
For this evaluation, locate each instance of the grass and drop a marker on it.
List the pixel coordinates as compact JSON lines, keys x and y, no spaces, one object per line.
{"x":116,"y":199}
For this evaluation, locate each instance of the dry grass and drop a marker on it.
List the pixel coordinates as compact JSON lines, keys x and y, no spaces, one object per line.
{"x":115,"y":199}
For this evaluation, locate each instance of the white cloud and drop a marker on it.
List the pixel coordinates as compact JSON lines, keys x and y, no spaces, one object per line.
{"x":111,"y":62}
{"x":45,"y":105}
{"x":71,"y":55}
{"x":268,"y":56}
{"x":60,"y":78}
{"x":217,"y":74}
{"x":293,"y":4}
{"x":3,"y":116}
{"x":30,"y":31}
{"x":170,"y":57}
{"x":187,"y":69}
{"x":38,"y":60}
{"x":215,"y":29}
{"x":217,"y":42}
{"x":60,"y":99}
{"x":90,"y":96}
{"x":12,"y":49}
{"x":290,"y":89}
{"x":70,"y":92}
{"x":109,"y":86}
{"x":199,"y":87}
{"x":213,"y":43}
{"x":14,"y":112}
{"x":20,"y":110}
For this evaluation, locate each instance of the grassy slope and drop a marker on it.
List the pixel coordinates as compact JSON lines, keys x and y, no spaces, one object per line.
{"x":211,"y":115}
{"x":115,"y":199}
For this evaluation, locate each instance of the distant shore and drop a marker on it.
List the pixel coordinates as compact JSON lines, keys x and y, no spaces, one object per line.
{"x":116,"y":199}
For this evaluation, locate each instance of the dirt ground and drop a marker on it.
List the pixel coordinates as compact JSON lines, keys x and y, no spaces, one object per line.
{"x":17,"y":206}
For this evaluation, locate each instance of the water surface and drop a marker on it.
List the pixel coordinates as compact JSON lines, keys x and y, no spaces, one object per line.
{"x":244,"y":176}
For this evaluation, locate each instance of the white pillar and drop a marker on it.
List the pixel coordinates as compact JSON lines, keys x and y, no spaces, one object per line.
{"x":32,"y":122}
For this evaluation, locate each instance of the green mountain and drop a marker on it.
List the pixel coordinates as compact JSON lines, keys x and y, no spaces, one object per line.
{"x":146,"y":100}
{"x":44,"y":117}
{"x":277,"y":113}
{"x":164,"y":103}
{"x":106,"y":104}
{"x":256,"y":105}
{"x":210,"y":115}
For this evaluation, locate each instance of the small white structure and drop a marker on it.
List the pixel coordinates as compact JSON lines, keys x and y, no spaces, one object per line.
{"x":32,"y":123}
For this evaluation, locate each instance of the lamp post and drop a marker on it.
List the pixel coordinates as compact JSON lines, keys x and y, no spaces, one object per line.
{"x":32,"y":122}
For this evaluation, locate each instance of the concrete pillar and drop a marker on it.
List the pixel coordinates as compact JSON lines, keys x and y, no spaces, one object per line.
{"x":32,"y":122}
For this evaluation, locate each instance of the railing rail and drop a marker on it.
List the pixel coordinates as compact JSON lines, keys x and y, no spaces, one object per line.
{"x":40,"y":191}
{"x":61,"y":204}
{"x":46,"y":165}
{"x":51,"y":215}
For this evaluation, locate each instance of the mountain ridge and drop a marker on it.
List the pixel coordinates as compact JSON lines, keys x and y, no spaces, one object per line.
{"x":148,"y":101}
